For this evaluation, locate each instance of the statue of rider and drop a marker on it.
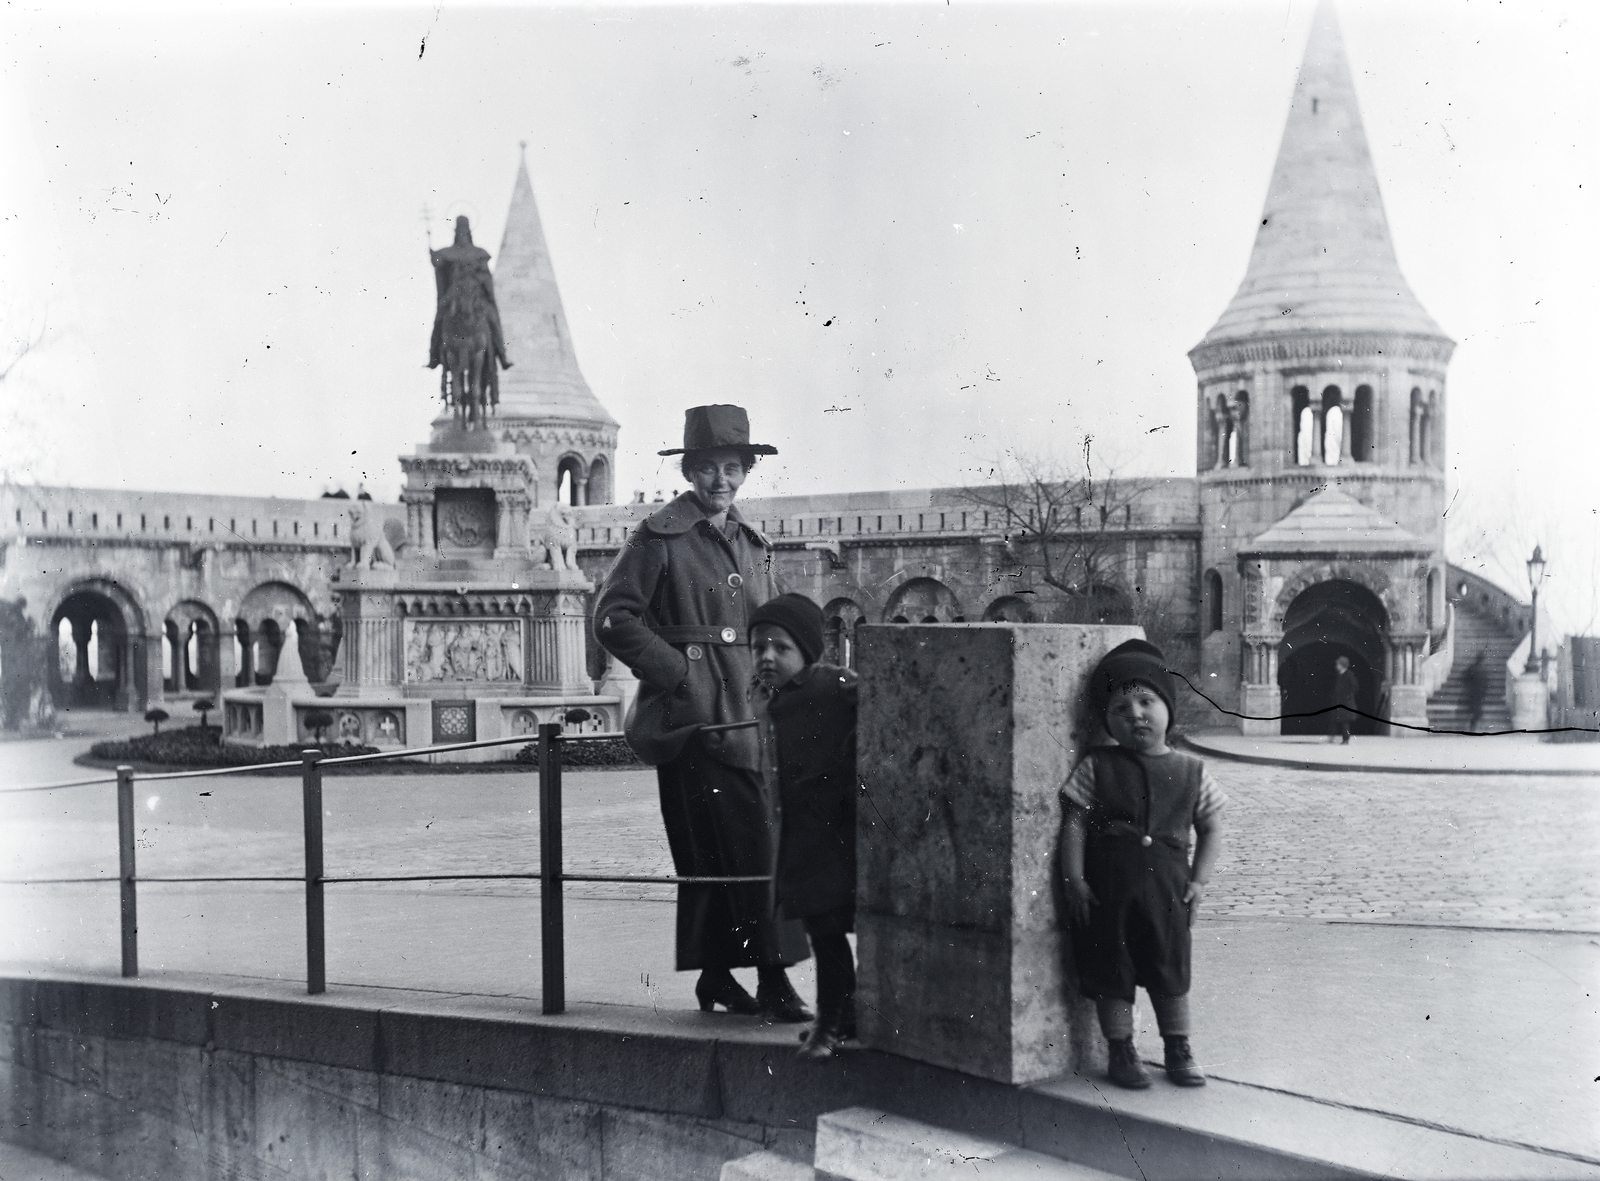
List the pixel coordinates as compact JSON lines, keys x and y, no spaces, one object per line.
{"x":464,"y":263}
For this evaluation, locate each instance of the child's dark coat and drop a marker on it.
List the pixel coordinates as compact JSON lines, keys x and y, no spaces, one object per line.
{"x":813,"y":720}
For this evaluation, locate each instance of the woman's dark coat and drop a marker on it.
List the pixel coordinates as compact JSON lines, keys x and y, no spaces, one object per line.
{"x":674,"y":609}
{"x":812,"y":724}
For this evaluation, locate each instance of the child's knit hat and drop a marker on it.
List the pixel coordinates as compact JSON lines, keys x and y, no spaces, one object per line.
{"x":1132,"y":660}
{"x":798,"y":616}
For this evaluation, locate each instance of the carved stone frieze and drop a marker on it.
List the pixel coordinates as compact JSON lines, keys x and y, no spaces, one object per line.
{"x":1272,"y":350}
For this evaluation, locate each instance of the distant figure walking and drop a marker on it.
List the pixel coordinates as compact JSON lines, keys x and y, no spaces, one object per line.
{"x":1475,"y":691}
{"x":1345,"y":688}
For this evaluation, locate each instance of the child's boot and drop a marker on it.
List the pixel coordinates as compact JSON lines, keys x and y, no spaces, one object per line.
{"x":1181,"y":1066}
{"x":1125,"y":1069}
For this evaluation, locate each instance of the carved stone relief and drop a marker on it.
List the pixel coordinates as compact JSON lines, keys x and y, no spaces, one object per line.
{"x":451,"y":651}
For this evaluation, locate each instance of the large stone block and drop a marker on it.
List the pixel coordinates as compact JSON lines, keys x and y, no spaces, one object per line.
{"x":967,"y":733}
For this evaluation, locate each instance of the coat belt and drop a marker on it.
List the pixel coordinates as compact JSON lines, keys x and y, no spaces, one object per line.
{"x":697,"y":634}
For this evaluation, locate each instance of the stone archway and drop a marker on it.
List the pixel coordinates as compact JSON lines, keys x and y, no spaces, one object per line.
{"x":274,"y":613}
{"x":923,"y":600}
{"x":1010,"y":609}
{"x":839,"y":621}
{"x":97,"y":641}
{"x":1325,"y":621}
{"x":192,"y":655}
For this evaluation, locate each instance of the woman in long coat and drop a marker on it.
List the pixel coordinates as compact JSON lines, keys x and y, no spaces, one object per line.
{"x":674,"y":608}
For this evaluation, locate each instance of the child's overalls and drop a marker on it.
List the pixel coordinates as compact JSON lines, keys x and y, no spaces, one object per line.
{"x":1136,"y":863}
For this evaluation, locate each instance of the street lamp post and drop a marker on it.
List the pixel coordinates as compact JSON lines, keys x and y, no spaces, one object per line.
{"x":1535,"y":576}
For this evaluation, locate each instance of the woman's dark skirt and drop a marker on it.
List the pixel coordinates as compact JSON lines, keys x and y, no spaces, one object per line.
{"x":719,"y":824}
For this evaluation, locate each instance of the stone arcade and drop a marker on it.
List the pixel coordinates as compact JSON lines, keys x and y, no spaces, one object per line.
{"x":1313,"y":529}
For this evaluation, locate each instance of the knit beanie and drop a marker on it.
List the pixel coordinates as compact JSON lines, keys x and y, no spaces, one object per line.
{"x":798,"y":616}
{"x":1132,"y":660}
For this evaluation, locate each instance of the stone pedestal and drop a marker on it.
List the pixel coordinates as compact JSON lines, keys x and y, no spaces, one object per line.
{"x":1530,"y":702}
{"x":967,"y":733}
{"x":1262,"y":705}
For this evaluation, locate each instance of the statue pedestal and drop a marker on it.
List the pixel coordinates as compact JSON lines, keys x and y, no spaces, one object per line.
{"x":967,"y":733}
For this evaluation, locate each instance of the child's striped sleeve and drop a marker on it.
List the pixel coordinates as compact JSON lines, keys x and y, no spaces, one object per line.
{"x":1079,"y":787}
{"x":1211,"y":798}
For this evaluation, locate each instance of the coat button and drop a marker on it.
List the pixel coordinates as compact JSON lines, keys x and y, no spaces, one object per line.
{"x":728,"y":634}
{"x":693,"y":652}
{"x":735,"y":581}
{"x":1145,"y":841}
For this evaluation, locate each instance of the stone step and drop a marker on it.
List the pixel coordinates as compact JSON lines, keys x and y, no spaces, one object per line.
{"x":766,"y":1166}
{"x":860,"y":1144}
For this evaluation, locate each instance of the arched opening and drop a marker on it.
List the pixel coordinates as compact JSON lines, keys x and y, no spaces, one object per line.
{"x":927,"y":600}
{"x":269,"y":642}
{"x":190,"y":650}
{"x":1304,"y":419}
{"x":599,"y":490}
{"x":1239,"y":437}
{"x":1333,"y":424}
{"x":284,"y":607}
{"x":1211,"y":593}
{"x":572,"y":479}
{"x":840,"y":619}
{"x":1010,"y":609}
{"x":1362,"y":427}
{"x":94,"y":664}
{"x":1435,"y":600}
{"x":1326,"y":621}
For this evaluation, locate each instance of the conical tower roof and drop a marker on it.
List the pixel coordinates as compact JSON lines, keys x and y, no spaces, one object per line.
{"x":544,"y":381}
{"x":1323,"y":261}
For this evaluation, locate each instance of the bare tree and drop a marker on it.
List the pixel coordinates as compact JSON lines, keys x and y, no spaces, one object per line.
{"x":1066,"y":524}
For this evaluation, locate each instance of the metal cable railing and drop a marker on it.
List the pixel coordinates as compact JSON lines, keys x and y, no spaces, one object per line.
{"x":550,"y":875}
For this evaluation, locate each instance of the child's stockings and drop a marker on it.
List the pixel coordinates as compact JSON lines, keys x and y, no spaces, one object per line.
{"x":1116,"y":1016}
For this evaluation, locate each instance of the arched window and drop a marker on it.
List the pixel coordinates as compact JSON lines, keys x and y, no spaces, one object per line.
{"x":1239,"y":439}
{"x":571,"y":481}
{"x":1361,"y":426}
{"x":1211,"y":453}
{"x":1224,"y":418}
{"x":599,"y":490}
{"x":1418,"y":410}
{"x":1213,"y":601}
{"x":1435,"y":606}
{"x":1305,"y":425}
{"x":1428,"y":441}
{"x":1333,"y":432}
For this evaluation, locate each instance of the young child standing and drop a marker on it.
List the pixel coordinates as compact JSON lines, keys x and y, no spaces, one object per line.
{"x":1131,"y":889}
{"x":809,"y":723}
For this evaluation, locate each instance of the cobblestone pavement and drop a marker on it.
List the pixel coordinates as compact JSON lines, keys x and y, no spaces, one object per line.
{"x":1478,"y":850}
{"x":1512,"y":851}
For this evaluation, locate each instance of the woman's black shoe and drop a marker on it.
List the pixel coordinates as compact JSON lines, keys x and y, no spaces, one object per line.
{"x":720,"y":988}
{"x":779,"y":1001}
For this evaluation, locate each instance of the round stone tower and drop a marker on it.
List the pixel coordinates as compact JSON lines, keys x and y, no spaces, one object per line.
{"x":1321,"y":398}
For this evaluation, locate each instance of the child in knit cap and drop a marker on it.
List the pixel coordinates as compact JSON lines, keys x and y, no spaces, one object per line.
{"x":809,"y":731}
{"x":1131,"y":888}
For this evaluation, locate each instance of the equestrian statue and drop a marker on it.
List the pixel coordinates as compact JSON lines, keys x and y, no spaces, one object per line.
{"x":467,"y":339}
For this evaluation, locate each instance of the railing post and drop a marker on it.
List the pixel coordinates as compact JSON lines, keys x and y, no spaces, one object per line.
{"x":311,"y":800}
{"x":125,"y":872}
{"x":552,"y":934}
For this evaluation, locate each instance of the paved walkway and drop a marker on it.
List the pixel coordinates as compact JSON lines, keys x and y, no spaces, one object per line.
{"x":1423,"y":945}
{"x":1429,"y":754}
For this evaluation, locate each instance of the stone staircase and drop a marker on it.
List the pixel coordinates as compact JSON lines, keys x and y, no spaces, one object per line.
{"x":860,"y":1144}
{"x":1475,"y":632}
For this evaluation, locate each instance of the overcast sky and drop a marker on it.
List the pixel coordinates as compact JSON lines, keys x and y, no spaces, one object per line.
{"x":909,"y":238}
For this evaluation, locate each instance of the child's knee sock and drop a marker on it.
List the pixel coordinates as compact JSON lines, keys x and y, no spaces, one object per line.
{"x":1172,"y":1014}
{"x":1116,"y":1017}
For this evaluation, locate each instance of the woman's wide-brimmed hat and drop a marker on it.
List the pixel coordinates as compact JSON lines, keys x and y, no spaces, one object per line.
{"x":706,"y":428}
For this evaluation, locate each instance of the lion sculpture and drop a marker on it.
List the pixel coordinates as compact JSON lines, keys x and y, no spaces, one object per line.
{"x":370,"y":543}
{"x":557,"y":538}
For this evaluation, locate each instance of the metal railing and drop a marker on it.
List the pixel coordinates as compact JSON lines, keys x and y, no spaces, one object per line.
{"x":550,"y":876}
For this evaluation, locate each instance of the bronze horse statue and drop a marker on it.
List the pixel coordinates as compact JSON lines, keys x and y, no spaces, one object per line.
{"x":467,"y":340}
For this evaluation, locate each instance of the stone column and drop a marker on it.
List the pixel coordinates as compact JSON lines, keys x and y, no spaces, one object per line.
{"x":1408,"y":702}
{"x":967,"y":733}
